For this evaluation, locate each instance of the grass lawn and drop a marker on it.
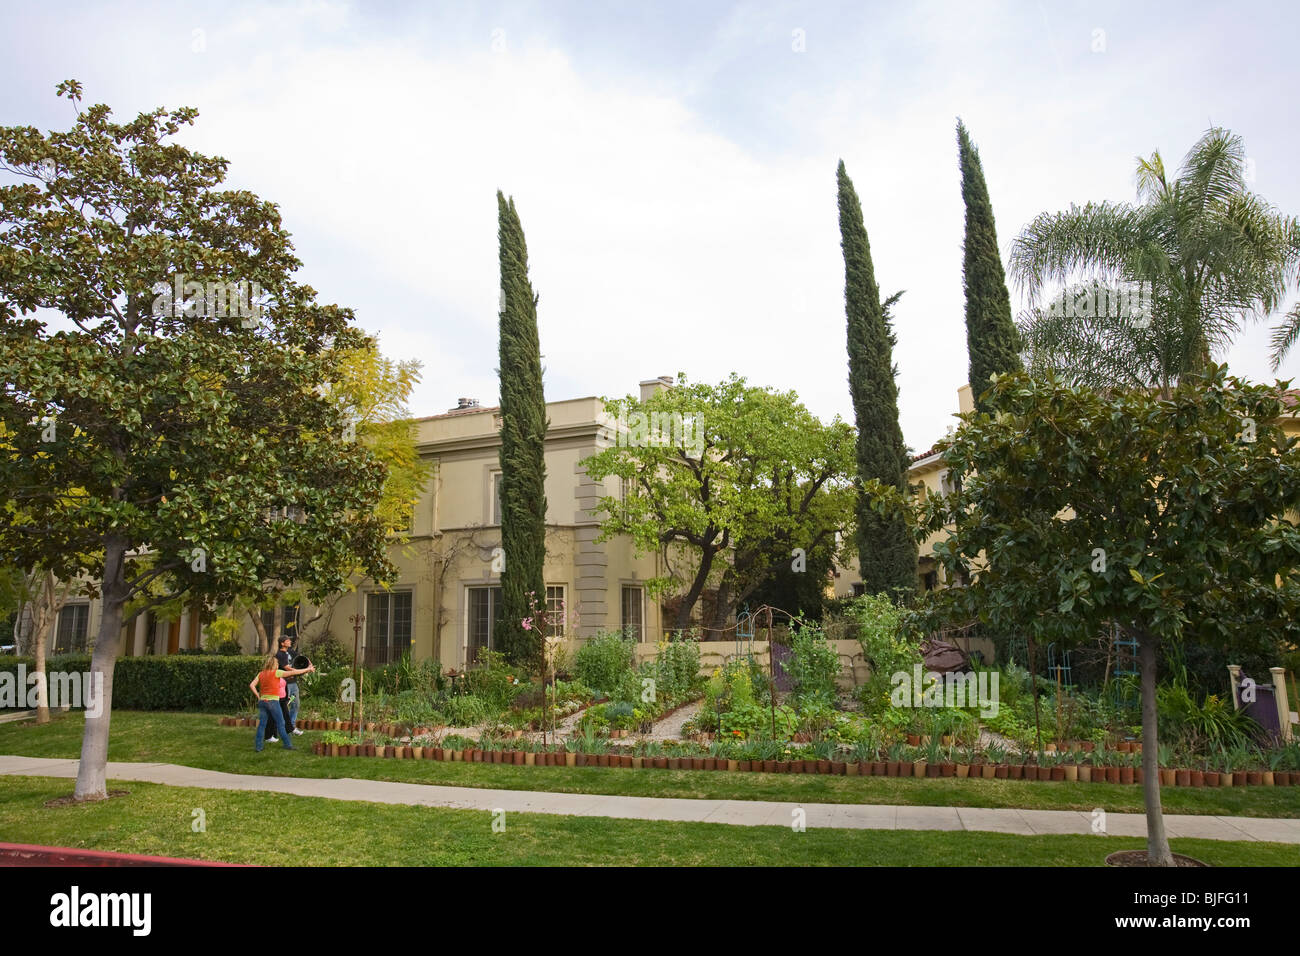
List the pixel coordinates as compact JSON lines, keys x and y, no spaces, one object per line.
{"x":157,"y":819}
{"x":196,"y":740}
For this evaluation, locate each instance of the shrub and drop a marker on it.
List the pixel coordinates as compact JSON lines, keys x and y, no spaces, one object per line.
{"x":886,"y":647}
{"x":326,"y":651}
{"x":814,"y":663}
{"x":494,"y":681}
{"x":465,"y":710}
{"x":601,"y":662}
{"x":171,"y":682}
{"x":677,"y":669}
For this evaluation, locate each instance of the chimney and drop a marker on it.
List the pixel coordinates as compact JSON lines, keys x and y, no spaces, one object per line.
{"x":464,"y":403}
{"x":652,"y":385}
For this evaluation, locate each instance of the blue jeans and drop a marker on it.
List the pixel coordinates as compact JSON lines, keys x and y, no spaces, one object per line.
{"x":291,"y":689}
{"x":269,"y":710}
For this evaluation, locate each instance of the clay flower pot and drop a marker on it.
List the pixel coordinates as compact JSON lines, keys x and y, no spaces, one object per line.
{"x":1211,"y":779}
{"x":1071,"y":772}
{"x":1099,"y":775}
{"x":877,"y":768}
{"x":947,"y":770}
{"x":919,"y":768}
{"x":1198,"y":778}
{"x":963,"y":771}
{"x":823,"y":766}
{"x":1112,"y":774}
{"x":1085,"y":773}
{"x":913,"y":740}
{"x":989,"y":771}
{"x":892,"y":768}
{"x":1254,"y":778}
{"x":661,"y":763}
{"x":1125,"y":774}
{"x":333,"y":750}
{"x":1001,"y":771}
{"x":1182,"y":778}
{"x":1015,"y":771}
{"x":1167,"y":777}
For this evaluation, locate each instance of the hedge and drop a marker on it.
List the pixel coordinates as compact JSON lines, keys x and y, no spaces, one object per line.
{"x":165,"y":682}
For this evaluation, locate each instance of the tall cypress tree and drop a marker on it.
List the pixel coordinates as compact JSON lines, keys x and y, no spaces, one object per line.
{"x":523,"y":437}
{"x":991,"y":338}
{"x":886,"y":549}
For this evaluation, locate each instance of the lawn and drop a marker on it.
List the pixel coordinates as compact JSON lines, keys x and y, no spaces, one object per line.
{"x":157,"y":819}
{"x":196,"y":740}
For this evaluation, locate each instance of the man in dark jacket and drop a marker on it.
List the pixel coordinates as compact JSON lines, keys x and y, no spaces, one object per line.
{"x":289,"y":702}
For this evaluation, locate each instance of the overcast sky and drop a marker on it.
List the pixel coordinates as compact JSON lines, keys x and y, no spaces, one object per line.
{"x":673,"y":163}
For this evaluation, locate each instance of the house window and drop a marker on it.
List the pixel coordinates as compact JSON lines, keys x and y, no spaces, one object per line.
{"x":859,"y":589}
{"x":484,"y":605}
{"x":932,"y":580}
{"x":288,"y":628}
{"x":633,"y":613}
{"x":496,"y":498}
{"x":71,"y":634}
{"x":388,"y":627}
{"x":949,"y":483}
{"x":555,"y":610}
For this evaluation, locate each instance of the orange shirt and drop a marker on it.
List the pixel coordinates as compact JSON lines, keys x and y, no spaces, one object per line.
{"x":268,"y":684}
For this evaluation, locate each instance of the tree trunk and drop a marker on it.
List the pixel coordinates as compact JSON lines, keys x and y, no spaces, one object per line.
{"x":1158,"y":853}
{"x":688,"y":603}
{"x":42,"y":682}
{"x":92,"y":774}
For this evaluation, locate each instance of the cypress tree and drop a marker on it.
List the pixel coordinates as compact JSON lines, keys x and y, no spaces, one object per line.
{"x":886,"y":549}
{"x":991,"y":338}
{"x":523,"y":437}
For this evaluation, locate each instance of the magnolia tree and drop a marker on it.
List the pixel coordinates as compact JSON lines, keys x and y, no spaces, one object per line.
{"x":1169,"y":515}
{"x":182,"y":394}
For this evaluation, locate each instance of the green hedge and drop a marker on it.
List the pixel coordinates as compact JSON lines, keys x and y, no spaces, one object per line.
{"x":166,"y":682}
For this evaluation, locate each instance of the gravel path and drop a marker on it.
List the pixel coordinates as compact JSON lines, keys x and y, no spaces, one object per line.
{"x":670,"y":728}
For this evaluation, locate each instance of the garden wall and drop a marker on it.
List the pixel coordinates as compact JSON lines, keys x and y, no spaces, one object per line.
{"x":713,"y":654}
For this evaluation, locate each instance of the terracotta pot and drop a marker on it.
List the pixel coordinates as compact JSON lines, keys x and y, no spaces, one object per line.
{"x":741,"y":765}
{"x":1015,"y":771}
{"x":1031,"y":771}
{"x":1085,"y":773}
{"x":1281,"y":778}
{"x":1254,"y":778}
{"x":1182,"y":778}
{"x":1239,"y":778}
{"x":580,"y":760}
{"x":333,"y":750}
{"x":913,"y":740}
{"x":934,"y":770}
{"x":1268,"y":780}
{"x":1071,"y":772}
{"x":710,"y":763}
{"x":963,"y":771}
{"x":947,"y":770}
{"x":1001,"y":771}
{"x":1099,"y":775}
{"x":989,"y":771}
{"x":1168,"y":778}
{"x":920,"y":768}
{"x":1125,"y":774}
{"x":854,"y":769}
{"x":317,"y":748}
{"x":625,"y":761}
{"x":891,"y":768}
{"x":661,"y":763}
{"x":1058,"y":773}
{"x":1211,"y":778}
{"x":767,"y":766}
{"x":1112,"y":774}
{"x":1198,"y":778}
{"x":823,"y":766}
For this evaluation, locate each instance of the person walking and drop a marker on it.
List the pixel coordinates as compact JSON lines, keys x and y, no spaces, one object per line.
{"x":267,"y":686}
{"x":289,"y":695}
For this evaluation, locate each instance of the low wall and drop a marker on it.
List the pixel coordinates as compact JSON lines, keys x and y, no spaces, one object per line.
{"x":713,"y":654}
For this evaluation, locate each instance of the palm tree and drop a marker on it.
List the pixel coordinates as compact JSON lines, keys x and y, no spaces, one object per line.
{"x":1201,"y":253}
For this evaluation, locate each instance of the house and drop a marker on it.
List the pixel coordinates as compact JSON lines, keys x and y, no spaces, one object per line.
{"x":446,"y":595}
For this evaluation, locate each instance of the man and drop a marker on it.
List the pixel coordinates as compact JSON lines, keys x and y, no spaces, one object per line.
{"x":288,"y":690}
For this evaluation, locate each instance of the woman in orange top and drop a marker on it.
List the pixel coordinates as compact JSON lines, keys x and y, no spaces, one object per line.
{"x":267,"y":687}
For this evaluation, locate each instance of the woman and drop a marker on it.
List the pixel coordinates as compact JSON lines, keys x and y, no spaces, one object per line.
{"x":267,"y":687}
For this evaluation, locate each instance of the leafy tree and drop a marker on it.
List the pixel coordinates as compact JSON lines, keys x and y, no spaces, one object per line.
{"x":1201,"y":249}
{"x":886,"y":552}
{"x":187,"y":422}
{"x":991,"y":341}
{"x":732,"y":477}
{"x":523,"y":441}
{"x":1168,"y":516}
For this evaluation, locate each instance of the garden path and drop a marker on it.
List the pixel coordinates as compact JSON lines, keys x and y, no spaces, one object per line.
{"x":670,"y":728}
{"x":730,"y":812}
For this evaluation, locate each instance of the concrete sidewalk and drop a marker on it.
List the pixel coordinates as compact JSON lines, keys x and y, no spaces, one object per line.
{"x":734,"y":812}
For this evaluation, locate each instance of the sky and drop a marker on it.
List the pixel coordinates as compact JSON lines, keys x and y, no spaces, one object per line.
{"x":673,"y":164}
